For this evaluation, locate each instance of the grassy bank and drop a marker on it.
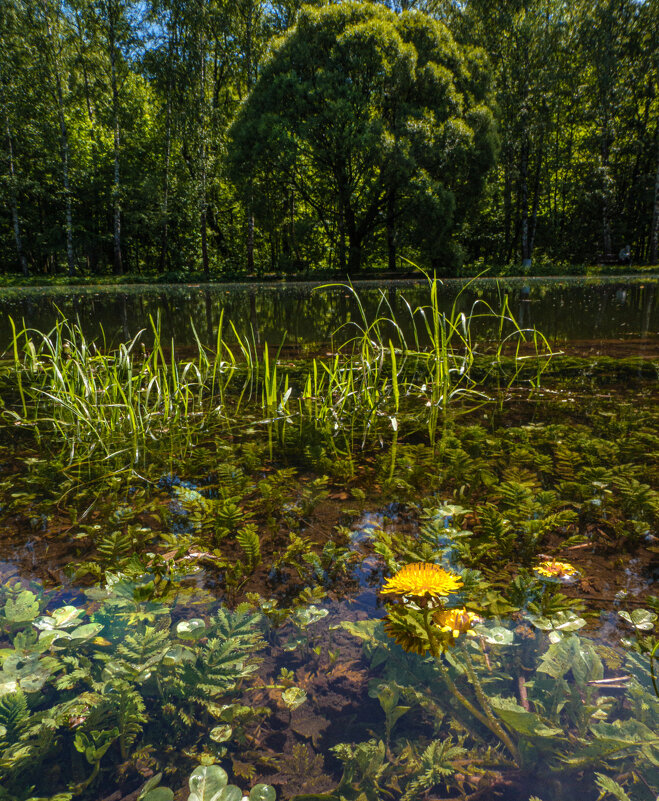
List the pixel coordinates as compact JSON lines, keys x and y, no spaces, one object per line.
{"x":180,"y":277}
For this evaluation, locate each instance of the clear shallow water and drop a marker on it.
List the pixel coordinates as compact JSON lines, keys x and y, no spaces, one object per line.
{"x":563,"y":309}
{"x":559,"y":450}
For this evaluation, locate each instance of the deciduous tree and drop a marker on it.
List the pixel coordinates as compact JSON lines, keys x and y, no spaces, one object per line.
{"x":367,"y":116}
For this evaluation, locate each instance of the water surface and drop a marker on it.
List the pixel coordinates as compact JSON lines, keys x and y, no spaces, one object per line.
{"x":578,"y":310}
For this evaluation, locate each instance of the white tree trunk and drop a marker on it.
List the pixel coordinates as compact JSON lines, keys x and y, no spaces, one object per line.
{"x":654,"y":240}
{"x":116,"y":188}
{"x":13,"y":200}
{"x":64,"y":140}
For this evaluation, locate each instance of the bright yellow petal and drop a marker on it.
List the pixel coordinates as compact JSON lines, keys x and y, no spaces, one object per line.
{"x":420,"y":579}
{"x":558,"y":570}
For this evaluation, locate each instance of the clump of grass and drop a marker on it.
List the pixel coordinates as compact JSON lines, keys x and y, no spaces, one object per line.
{"x":110,"y":404}
{"x":113,"y":404}
{"x":430,"y":370}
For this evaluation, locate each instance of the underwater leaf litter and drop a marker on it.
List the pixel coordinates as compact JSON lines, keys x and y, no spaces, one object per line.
{"x":418,"y":567}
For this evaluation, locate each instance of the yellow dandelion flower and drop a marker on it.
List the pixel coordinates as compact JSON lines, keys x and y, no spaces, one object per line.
{"x":556,"y":570}
{"x":421,"y":579}
{"x":457,"y":621}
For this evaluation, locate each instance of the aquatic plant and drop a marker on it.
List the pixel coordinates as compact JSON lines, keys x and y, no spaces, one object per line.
{"x":262,"y":496}
{"x":209,"y":783}
{"x":556,"y":731}
{"x":120,"y":698}
{"x":420,"y":622}
{"x":108,"y":405}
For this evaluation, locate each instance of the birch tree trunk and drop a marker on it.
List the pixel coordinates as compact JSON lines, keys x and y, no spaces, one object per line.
{"x":55,"y":47}
{"x":116,"y":186}
{"x":13,"y":198}
{"x":203,"y":202}
{"x":654,"y":238}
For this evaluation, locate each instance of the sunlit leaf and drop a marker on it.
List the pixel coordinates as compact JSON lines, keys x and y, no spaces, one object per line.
{"x":159,"y":794}
{"x":62,"y":618}
{"x":497,"y":635}
{"x":641,"y":619}
{"x":206,"y":782}
{"x":294,"y":697}
{"x":23,"y":608}
{"x":220,"y":734}
{"x":262,"y":792}
{"x":191,"y":629}
{"x":521,"y":720}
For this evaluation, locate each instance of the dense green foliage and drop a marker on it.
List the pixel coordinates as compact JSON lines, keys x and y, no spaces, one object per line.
{"x":356,"y":134}
{"x":373,"y":120}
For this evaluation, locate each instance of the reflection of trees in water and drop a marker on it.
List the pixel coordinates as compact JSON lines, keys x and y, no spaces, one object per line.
{"x":561,"y":310}
{"x":650,"y":304}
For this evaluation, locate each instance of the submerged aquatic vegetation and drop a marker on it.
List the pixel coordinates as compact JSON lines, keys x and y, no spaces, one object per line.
{"x":127,"y":687}
{"x":286,"y":491}
{"x":530,"y":726}
{"x":550,"y":706}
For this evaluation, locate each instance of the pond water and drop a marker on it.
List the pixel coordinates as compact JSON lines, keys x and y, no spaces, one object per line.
{"x":564,"y":309}
{"x":378,"y":572}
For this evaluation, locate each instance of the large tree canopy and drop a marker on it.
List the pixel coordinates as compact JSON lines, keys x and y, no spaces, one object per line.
{"x":373,"y":122}
{"x":358,"y":136}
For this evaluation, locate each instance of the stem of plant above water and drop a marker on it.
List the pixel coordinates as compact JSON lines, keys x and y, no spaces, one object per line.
{"x":486,"y":717}
{"x":95,"y":401}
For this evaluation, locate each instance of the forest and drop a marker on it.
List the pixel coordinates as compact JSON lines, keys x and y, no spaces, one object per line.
{"x":224,"y":138}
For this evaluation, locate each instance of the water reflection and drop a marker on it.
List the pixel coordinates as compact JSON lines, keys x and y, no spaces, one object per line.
{"x":564,"y":309}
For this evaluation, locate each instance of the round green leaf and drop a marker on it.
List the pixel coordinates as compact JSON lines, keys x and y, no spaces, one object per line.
{"x":229,"y":793}
{"x":62,"y":618}
{"x":542,"y":623}
{"x":79,"y":635}
{"x":310,"y":615}
{"x":191,"y":629}
{"x":220,"y":734}
{"x":567,"y":621}
{"x":34,"y":682}
{"x":177,"y":655}
{"x":262,"y":792}
{"x":640,"y":619}
{"x":206,"y":782}
{"x":497,"y":635}
{"x":48,"y":636}
{"x":294,"y":697}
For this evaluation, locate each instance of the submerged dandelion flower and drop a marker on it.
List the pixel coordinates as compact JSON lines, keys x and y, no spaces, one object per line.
{"x":563,"y":571}
{"x":457,"y":621}
{"x":422,"y":579}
